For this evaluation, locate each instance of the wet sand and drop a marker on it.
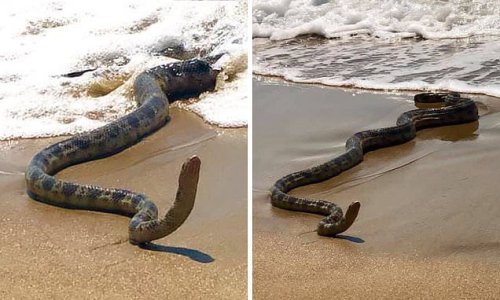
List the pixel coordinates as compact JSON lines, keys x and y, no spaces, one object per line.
{"x":53,"y":253}
{"x":428,"y":225}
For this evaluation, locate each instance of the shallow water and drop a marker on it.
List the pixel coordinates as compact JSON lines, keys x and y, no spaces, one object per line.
{"x":464,"y":65}
{"x":387,"y":45}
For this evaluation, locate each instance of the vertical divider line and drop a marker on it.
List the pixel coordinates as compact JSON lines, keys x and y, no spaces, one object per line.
{"x":250,"y":154}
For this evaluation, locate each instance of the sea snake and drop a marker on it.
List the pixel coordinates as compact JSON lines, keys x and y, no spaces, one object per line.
{"x":456,"y":110}
{"x":153,"y":89}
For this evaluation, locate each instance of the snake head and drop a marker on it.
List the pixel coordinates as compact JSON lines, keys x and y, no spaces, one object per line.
{"x":452,"y":98}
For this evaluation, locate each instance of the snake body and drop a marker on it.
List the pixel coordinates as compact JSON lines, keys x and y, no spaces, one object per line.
{"x":456,"y":110}
{"x":152,"y":90}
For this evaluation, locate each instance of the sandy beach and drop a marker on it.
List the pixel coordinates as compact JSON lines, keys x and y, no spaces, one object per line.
{"x":428,"y":225}
{"x":50,"y":252}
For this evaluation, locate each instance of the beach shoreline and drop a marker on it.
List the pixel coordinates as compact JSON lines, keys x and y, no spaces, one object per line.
{"x":422,"y":230}
{"x":51,"y":252}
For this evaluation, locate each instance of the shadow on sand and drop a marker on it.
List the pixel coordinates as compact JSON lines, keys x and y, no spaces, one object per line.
{"x":191,"y":253}
{"x":350,"y":238}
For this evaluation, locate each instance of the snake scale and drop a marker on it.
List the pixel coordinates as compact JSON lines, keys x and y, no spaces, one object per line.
{"x":456,"y":110}
{"x":153,"y":89}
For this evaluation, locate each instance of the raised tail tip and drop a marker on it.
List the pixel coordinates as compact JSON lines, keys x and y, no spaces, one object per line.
{"x":191,"y":166}
{"x":329,"y":227}
{"x":142,"y":231}
{"x":352,"y":212}
{"x":190,"y":174}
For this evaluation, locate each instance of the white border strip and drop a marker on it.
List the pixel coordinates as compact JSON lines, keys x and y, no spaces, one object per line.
{"x":250,"y":156}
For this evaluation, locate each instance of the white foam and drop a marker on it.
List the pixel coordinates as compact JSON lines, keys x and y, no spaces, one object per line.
{"x":430,"y":19}
{"x":228,"y":108}
{"x":230,"y":105}
{"x":44,"y":39}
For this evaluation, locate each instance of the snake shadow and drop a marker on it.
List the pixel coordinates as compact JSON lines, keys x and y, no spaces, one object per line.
{"x":349,"y":238}
{"x":193,"y":254}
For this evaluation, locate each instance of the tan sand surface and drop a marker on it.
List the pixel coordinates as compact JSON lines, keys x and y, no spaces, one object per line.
{"x":48,"y":252}
{"x":430,"y":209}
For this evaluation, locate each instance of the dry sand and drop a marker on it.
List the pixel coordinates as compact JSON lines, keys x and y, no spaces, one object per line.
{"x":430,"y":209}
{"x":49,"y":252}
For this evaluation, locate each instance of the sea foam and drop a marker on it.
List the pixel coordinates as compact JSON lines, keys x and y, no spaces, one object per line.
{"x":430,"y":19}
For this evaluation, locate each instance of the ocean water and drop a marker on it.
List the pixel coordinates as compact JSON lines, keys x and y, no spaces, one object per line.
{"x":41,"y":40}
{"x":386,"y":45}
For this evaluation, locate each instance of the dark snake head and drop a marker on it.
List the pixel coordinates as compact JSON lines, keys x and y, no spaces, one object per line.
{"x":188,"y":79}
{"x":452,"y":98}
